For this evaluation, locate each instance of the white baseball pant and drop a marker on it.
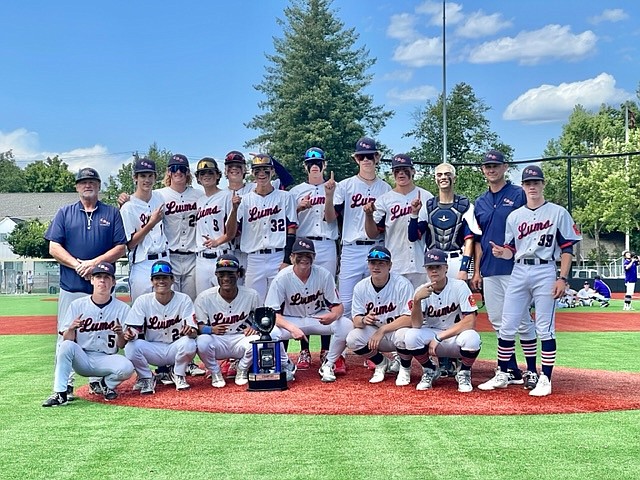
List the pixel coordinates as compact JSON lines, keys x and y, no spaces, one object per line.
{"x":261,"y":270}
{"x":417,"y":338}
{"x":353,"y":268}
{"x":142,"y":353}
{"x":359,"y":338}
{"x":184,"y":273}
{"x":212,"y":348}
{"x":495,"y":293}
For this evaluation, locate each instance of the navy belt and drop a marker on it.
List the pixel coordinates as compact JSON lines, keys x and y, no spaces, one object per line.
{"x":180,"y":252}
{"x":533,"y":261}
{"x":365,"y":242}
{"x":156,"y":256}
{"x":212,"y":254}
{"x":454,"y":254}
{"x":318,"y":239}
{"x":266,"y":251}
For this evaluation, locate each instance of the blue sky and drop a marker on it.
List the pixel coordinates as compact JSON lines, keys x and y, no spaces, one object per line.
{"x":94,"y":81}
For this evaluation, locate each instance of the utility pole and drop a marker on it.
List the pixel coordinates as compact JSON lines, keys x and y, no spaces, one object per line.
{"x":627,"y":238}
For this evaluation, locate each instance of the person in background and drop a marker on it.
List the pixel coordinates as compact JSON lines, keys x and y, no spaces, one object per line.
{"x":630,"y":265}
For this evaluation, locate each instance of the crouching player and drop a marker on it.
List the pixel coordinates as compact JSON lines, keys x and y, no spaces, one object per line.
{"x":161,"y":330}
{"x":92,"y":333}
{"x":443,"y":316}
{"x":381,"y":312}
{"x":224,"y":315}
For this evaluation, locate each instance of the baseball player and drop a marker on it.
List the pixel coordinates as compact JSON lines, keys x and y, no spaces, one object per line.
{"x":347,"y":200}
{"x":381,"y":312}
{"x":603,"y":290}
{"x":215,"y":222}
{"x":81,"y":235}
{"x":267,"y":221}
{"x":537,"y":235}
{"x":630,"y":265}
{"x":92,"y":333}
{"x":390,"y":215}
{"x":142,"y":218}
{"x":491,"y":274}
{"x":310,"y":199}
{"x":161,"y":330}
{"x":306,"y":302}
{"x":224,"y":314}
{"x":443,"y":316}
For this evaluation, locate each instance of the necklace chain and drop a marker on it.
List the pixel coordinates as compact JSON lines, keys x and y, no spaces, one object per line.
{"x":89,"y":218}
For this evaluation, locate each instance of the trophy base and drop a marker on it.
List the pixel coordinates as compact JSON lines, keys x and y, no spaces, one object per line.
{"x":265,"y":382}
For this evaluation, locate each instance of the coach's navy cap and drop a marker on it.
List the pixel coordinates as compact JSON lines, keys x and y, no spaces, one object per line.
{"x":379,"y":253}
{"x":493,"y":157}
{"x":104,"y":267}
{"x":161,"y":268}
{"x":144,"y":165}
{"x":303,"y":245}
{"x":435,"y":256}
{"x":178,"y":159}
{"x":87,"y":173}
{"x":401,"y":160}
{"x":314,"y":154}
{"x":366,"y":145}
{"x":227,"y":263}
{"x":532,"y":172}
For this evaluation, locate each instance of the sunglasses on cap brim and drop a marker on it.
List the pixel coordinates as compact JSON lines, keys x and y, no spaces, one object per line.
{"x":161,"y":269}
{"x":378,"y":255}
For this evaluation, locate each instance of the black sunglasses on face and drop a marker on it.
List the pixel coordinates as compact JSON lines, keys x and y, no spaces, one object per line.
{"x":178,"y":168}
{"x":368,"y":156}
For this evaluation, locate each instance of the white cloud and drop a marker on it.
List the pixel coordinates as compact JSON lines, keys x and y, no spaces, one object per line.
{"x":530,"y":48}
{"x":453,"y":12}
{"x":425,"y":51}
{"x":398,"y":76}
{"x":480,"y":25}
{"x":402,"y":27}
{"x":610,"y":15}
{"x":417,"y":94}
{"x":549,"y":103}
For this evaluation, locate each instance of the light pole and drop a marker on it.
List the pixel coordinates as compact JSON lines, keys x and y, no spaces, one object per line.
{"x":444,"y":85}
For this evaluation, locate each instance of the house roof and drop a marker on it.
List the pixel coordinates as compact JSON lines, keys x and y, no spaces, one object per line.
{"x":28,"y":206}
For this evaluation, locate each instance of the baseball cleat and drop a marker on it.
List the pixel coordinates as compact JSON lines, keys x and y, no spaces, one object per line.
{"x":304,"y":360}
{"x":242,"y":377}
{"x":530,"y":380}
{"x":70,"y":396}
{"x":58,"y":399}
{"x":217,"y":380}
{"x":326,"y":372}
{"x":233,"y":368}
{"x":404,"y":377}
{"x":394,"y":366}
{"x":194,"y":370}
{"x":136,"y":386}
{"x":429,"y":375}
{"x":340,"y":367}
{"x":323,"y":356}
{"x":148,"y":386}
{"x":95,"y":388}
{"x":290,"y":370}
{"x":463,"y":377}
{"x":500,"y":380}
{"x":380,"y":370}
{"x":543,"y":388}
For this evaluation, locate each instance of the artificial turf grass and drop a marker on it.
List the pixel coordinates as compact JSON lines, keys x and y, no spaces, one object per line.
{"x":91,"y":440}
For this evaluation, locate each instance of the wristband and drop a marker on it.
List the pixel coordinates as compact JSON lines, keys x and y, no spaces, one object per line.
{"x":207,"y":329}
{"x":563,"y":278}
{"x":413,"y":216}
{"x":437,"y":339}
{"x":464,"y":264}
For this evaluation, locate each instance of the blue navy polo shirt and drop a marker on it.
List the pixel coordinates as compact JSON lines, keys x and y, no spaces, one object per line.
{"x":491,"y":211}
{"x":69,"y":229}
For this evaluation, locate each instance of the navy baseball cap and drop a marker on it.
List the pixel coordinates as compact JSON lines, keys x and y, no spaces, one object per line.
{"x":207,"y":164}
{"x":532,"y":172}
{"x":366,"y":145}
{"x":178,"y":159}
{"x":314,"y":154}
{"x":104,"y":267}
{"x":234,"y":156}
{"x":161,"y":268}
{"x":144,"y":165}
{"x":262,"y":160}
{"x":401,"y":160}
{"x":493,"y":157}
{"x":227,"y":263}
{"x":379,"y":253}
{"x":87,"y":173}
{"x":303,"y":245}
{"x":435,"y":256}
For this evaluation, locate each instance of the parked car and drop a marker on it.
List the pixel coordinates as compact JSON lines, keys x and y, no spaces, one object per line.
{"x":122,"y":285}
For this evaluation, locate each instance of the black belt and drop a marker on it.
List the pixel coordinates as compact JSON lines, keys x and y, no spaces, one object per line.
{"x":318,"y":239}
{"x":454,"y":254}
{"x":365,"y":242}
{"x":156,"y":256}
{"x":266,"y":251}
{"x":533,"y":261}
{"x":180,"y":252}
{"x":212,"y":255}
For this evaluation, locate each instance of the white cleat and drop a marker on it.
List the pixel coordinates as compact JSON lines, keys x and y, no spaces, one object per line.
{"x":543,"y":388}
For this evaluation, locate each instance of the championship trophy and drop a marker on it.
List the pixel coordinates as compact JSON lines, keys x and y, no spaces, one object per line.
{"x":266,"y":372}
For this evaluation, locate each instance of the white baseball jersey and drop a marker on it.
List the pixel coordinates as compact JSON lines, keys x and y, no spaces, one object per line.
{"x":180,"y":217}
{"x":96,"y":332}
{"x":392,"y":214}
{"x":264,"y":220}
{"x":135,"y":215}
{"x":162,"y":323}
{"x":442,"y":310}
{"x":291,"y":296}
{"x":541,"y":233}
{"x":395,"y":299}
{"x":311,"y":222}
{"x":211,"y":218}
{"x":353,"y":193}
{"x":212,"y":309}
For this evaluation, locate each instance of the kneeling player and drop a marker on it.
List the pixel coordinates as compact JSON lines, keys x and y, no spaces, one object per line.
{"x":381,"y":312}
{"x":161,"y":330}
{"x":443,"y":316}
{"x":224,"y":316}
{"x":92,"y":333}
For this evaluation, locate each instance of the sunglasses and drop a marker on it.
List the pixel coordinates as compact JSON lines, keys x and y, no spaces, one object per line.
{"x":378,"y":255}
{"x":225,"y":263}
{"x":161,"y":268}
{"x":234,"y":157}
{"x":313,"y":154}
{"x":178,"y":168}
{"x":368,"y":156}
